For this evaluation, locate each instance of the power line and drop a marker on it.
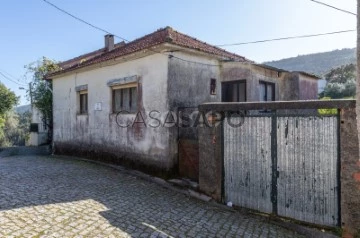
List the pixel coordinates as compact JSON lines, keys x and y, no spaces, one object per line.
{"x":12,"y":76}
{"x":339,"y":9}
{"x":6,"y":77}
{"x":189,"y":61}
{"x":171,"y":56}
{"x":83,"y":21}
{"x":107,"y":32}
{"x":287,"y":38}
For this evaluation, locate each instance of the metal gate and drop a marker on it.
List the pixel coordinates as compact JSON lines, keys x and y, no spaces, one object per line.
{"x":285,"y":165}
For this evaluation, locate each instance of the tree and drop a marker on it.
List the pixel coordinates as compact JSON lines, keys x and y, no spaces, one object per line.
{"x":40,"y":91}
{"x":341,"y":82}
{"x":8,"y":100}
{"x":11,"y":131}
{"x":341,"y":74}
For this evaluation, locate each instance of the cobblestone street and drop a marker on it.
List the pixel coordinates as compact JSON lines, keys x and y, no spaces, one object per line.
{"x":58,"y":197}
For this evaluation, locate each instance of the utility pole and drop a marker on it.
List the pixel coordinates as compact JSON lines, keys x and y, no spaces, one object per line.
{"x":358,"y":72}
{"x":30,"y":92}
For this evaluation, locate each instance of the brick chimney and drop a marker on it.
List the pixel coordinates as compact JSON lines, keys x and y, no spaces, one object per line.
{"x":109,"y":42}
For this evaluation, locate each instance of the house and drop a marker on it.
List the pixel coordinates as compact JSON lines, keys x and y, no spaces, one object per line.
{"x":39,"y":131}
{"x":118,"y":103}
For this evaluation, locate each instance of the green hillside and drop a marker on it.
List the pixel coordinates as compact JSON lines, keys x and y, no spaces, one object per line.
{"x":319,"y":63}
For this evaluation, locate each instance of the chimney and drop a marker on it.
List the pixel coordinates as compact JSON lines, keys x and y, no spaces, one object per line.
{"x":109,"y":42}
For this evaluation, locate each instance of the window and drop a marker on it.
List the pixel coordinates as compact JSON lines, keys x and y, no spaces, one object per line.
{"x":34,"y":127}
{"x":83,"y":102}
{"x":125,"y":98}
{"x":213,"y":86}
{"x":267,"y":91}
{"x":234,"y":91}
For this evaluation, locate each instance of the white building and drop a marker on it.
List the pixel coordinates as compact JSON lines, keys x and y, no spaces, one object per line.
{"x":38,"y":129}
{"x":148,"y":77}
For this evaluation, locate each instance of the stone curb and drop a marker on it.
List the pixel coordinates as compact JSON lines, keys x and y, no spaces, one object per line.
{"x":302,"y":230}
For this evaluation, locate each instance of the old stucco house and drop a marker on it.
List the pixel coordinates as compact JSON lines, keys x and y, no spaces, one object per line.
{"x":157,"y":73}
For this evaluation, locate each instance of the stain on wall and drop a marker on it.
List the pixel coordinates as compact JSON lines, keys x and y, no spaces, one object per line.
{"x":308,"y":88}
{"x":232,"y":71}
{"x":97,"y":134}
{"x":188,"y":87}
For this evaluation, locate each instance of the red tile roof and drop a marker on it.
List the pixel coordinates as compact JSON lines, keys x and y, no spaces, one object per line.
{"x":164,"y":35}
{"x":82,"y":58}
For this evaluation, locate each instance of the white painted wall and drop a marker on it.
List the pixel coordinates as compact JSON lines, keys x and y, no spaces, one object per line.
{"x":99,"y":128}
{"x":40,"y":137}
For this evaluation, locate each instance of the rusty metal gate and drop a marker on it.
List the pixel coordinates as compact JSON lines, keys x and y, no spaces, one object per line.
{"x":284,"y":165}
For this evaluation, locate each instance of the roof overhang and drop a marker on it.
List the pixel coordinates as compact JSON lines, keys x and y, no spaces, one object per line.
{"x":117,"y":60}
{"x":165,"y":49}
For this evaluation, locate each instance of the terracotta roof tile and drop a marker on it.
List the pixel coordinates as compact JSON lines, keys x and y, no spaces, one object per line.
{"x":82,"y":58}
{"x":164,"y":35}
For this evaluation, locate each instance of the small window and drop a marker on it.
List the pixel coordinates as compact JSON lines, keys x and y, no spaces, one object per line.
{"x":34,"y":127}
{"x":125,"y":98}
{"x":83,"y":102}
{"x":234,"y":91}
{"x":267,"y":91}
{"x":213,"y":86}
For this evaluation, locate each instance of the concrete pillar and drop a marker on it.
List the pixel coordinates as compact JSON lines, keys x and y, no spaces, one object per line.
{"x":350,"y":173}
{"x":210,"y":161}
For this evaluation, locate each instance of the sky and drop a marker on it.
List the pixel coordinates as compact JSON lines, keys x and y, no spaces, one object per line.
{"x":31,"y":29}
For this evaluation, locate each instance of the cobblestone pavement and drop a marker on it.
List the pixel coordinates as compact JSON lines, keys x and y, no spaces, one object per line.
{"x":60,"y":197}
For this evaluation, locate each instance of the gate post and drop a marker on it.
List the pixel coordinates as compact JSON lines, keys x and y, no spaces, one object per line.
{"x":211,"y":161}
{"x":350,"y":172}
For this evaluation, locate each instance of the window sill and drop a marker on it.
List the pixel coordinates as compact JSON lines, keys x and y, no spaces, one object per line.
{"x":82,"y":114}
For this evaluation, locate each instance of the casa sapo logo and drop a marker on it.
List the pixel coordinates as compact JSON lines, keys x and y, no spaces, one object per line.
{"x":156,"y":119}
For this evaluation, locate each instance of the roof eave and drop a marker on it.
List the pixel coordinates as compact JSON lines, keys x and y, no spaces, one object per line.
{"x":116,"y":60}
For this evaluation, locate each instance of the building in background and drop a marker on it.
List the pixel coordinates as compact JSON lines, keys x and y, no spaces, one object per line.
{"x":38,"y":129}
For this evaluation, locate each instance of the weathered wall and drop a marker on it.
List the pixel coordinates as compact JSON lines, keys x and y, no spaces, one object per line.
{"x":289,"y":87}
{"x":308,"y":88}
{"x":97,"y":133}
{"x":189,"y":86}
{"x":189,"y":82}
{"x":253,"y":74}
{"x":296,"y":86}
{"x":350,"y":173}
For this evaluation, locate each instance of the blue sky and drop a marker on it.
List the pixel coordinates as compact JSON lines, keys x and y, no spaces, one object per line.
{"x":31,"y":29}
